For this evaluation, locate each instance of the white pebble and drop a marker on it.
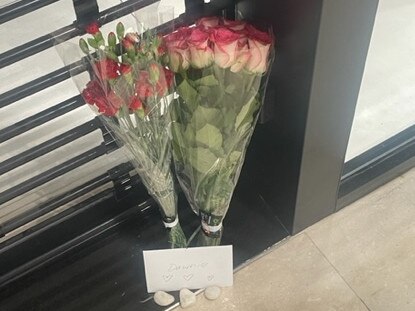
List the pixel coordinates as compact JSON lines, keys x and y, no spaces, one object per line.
{"x":187,"y":298}
{"x":212,"y":292}
{"x":163,"y":299}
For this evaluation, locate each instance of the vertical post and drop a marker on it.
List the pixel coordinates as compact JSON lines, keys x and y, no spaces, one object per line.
{"x":86,"y":11}
{"x":296,"y":157}
{"x":345,"y":31}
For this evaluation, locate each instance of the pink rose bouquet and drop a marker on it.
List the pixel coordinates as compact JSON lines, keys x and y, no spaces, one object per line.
{"x":220,"y":71}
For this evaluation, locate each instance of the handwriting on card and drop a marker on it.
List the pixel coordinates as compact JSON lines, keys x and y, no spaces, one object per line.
{"x":192,"y":268}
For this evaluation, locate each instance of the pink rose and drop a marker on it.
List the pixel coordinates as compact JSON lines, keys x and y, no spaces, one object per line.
{"x":201,"y":55}
{"x":178,"y":49}
{"x":259,"y":45}
{"x":234,"y":25}
{"x":208,"y":22}
{"x":225,"y":44}
{"x":242,"y":56}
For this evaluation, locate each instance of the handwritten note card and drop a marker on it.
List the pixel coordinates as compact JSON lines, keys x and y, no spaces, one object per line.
{"x":193,"y":268}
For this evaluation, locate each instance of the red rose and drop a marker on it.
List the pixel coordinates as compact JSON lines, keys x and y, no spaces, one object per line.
{"x":201,"y":55}
{"x":208,"y":22}
{"x":154,"y":71}
{"x":125,"y":69}
{"x":107,"y":102}
{"x":135,"y":104}
{"x":92,"y":28}
{"x":225,"y":44}
{"x":127,"y":44}
{"x":178,"y":49}
{"x":107,"y":69}
{"x":143,"y":86}
{"x":169,"y":75}
{"x":132,"y":37}
{"x":259,"y":45}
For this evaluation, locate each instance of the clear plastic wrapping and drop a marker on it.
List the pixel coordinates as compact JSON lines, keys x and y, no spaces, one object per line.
{"x":221,"y":72}
{"x":130,"y":89}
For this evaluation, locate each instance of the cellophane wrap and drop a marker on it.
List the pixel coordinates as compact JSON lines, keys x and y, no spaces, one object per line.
{"x":130,"y":89}
{"x":221,"y":73}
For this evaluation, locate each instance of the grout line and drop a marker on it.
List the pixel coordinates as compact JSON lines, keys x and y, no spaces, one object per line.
{"x":337,"y":271}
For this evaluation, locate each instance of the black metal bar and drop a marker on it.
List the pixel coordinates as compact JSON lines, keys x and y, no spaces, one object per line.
{"x":40,"y":118}
{"x":38,"y":45}
{"x":62,"y":74}
{"x":68,"y":32}
{"x":377,"y":166}
{"x":55,"y":172}
{"x":49,"y":206}
{"x":19,"y":8}
{"x":49,"y":145}
{"x":44,"y":208}
{"x":99,"y":203}
{"x":123,"y":9}
{"x":41,"y":83}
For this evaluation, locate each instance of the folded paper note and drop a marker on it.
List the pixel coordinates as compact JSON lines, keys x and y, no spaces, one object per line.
{"x":193,"y":268}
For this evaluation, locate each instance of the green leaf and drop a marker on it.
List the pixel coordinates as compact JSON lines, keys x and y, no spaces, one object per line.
{"x":112,"y":40}
{"x":84,"y":46}
{"x":209,"y":136}
{"x":230,"y":89}
{"x":177,"y":133}
{"x":204,"y":91}
{"x":99,"y":38}
{"x":234,"y":157}
{"x":120,"y":30}
{"x":188,"y":93}
{"x":209,"y":80}
{"x":203,"y":115}
{"x":189,"y":136}
{"x":246,"y":113}
{"x":92,"y":43}
{"x":111,"y":55}
{"x":202,"y":160}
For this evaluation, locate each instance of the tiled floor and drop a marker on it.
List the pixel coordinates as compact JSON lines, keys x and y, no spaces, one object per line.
{"x":362,"y":258}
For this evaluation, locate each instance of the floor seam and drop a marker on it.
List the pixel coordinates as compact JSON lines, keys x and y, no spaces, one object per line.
{"x":337,"y":271}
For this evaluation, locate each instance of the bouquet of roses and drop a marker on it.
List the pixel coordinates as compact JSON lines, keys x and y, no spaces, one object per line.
{"x":129,"y":88}
{"x":221,"y":73}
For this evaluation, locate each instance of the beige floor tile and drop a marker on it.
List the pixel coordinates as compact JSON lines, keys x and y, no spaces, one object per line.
{"x":293,"y":277}
{"x":372,"y":245}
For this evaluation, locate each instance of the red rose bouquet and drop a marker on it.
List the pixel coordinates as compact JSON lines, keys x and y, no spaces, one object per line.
{"x":130,"y":89}
{"x":221,"y":71}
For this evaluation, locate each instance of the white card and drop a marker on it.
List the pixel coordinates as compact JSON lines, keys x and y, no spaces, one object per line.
{"x":192,"y":268}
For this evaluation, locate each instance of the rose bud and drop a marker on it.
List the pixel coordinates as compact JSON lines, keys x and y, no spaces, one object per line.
{"x":132,"y":37}
{"x":120,"y":30}
{"x":242,"y":56}
{"x":201,"y":55}
{"x":127,"y":44}
{"x":154,"y":72}
{"x":84,"y":46}
{"x":178,"y":49}
{"x":112,"y":40}
{"x":259,"y":45}
{"x":225,"y":43}
{"x":92,"y":28}
{"x":135,"y":104}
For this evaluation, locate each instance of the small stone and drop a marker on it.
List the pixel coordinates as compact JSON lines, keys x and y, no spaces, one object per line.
{"x":187,"y":298}
{"x":163,"y":299}
{"x":212,"y":292}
